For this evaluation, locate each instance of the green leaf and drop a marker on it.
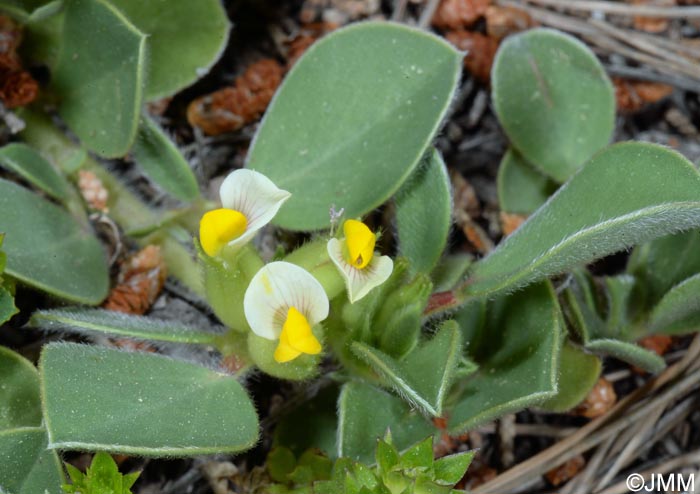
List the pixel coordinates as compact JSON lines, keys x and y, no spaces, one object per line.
{"x":7,"y":305}
{"x":553,"y":99}
{"x":450,"y":469}
{"x":633,"y":354}
{"x":101,"y":322}
{"x":43,"y":29}
{"x":364,"y":415}
{"x":581,"y":309}
{"x":332,"y":142}
{"x":280,"y":462}
{"x":521,"y":188}
{"x":604,"y":336}
{"x":312,"y":424}
{"x":626,"y":194}
{"x":7,"y":299}
{"x":620,"y":303}
{"x":578,"y":373}
{"x":100,"y":76}
{"x":185,"y":38}
{"x":680,"y":305}
{"x":142,"y":404}
{"x":102,"y":476}
{"x":21,"y":10}
{"x":418,"y":456}
{"x":162,"y":161}
{"x":399,"y":319}
{"x":20,"y":402}
{"x":386,"y":456}
{"x":424,"y":376}
{"x":27,"y":466}
{"x":32,"y":167}
{"x":518,"y":355}
{"x":450,"y":271}
{"x":424,"y":214}
{"x":665,"y":262}
{"x":48,"y":249}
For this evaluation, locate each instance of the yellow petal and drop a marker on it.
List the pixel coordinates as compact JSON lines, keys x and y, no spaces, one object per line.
{"x":297,"y":332}
{"x":359,"y":241}
{"x":284,"y":352}
{"x":219,"y":227}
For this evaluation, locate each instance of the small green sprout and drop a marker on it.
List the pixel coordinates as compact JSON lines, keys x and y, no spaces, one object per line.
{"x":102,"y":477}
{"x":414,"y":470}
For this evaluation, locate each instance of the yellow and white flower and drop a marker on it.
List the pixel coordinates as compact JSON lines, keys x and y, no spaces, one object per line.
{"x":284,"y":301}
{"x":250,"y":200}
{"x":356,"y":260}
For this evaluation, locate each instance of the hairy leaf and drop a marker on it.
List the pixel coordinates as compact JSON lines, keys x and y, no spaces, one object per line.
{"x":554,"y":100}
{"x":424,"y":376}
{"x":142,"y":404}
{"x":518,"y":355}
{"x":364,"y":415}
{"x":185,"y":38}
{"x":665,"y":262}
{"x":20,"y":403}
{"x":104,"y":322}
{"x":32,"y":167}
{"x":680,"y":303}
{"x":99,"y":77}
{"x":162,"y":161}
{"x":353,"y":118}
{"x":27,"y":466}
{"x":48,"y":249}
{"x":626,"y":194}
{"x":578,"y":373}
{"x":521,"y":188}
{"x":628,"y":352}
{"x":424,"y":214}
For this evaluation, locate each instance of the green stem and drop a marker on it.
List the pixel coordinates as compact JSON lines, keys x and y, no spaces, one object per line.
{"x":124,"y":207}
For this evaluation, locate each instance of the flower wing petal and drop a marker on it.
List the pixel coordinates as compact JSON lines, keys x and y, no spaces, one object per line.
{"x":254,"y":195}
{"x":277,"y":287}
{"x":359,"y":282}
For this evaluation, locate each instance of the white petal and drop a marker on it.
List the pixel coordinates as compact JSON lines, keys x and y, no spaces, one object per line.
{"x":254,"y":195}
{"x":277,"y":287}
{"x":359,"y":282}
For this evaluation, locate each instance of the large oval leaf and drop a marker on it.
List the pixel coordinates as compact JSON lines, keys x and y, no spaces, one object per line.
{"x":353,"y":118}
{"x":554,"y":100}
{"x":184,"y":39}
{"x":626,"y":194}
{"x":20,"y":404}
{"x":517,"y":349}
{"x":100,"y":75}
{"x":48,"y":249}
{"x":144,"y":404}
{"x":424,"y":214}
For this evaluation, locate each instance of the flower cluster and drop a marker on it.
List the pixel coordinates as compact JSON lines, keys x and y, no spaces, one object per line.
{"x":283,"y":301}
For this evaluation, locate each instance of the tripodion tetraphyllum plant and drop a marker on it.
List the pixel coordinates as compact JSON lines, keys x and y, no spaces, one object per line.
{"x":400,"y":331}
